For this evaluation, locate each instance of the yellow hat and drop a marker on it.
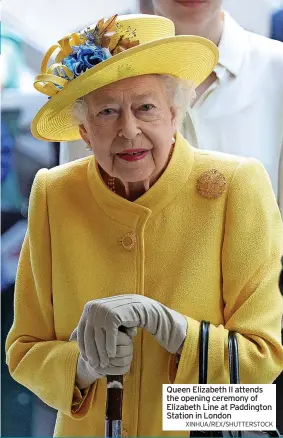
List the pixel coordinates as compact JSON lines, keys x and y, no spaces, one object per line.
{"x":115,"y":49}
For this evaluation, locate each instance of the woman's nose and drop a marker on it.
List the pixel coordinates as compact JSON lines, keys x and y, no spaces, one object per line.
{"x":129,"y":126}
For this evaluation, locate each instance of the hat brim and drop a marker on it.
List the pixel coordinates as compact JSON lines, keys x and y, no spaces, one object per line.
{"x":191,"y":58}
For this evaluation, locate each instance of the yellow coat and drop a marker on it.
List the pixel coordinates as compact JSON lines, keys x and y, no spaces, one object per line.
{"x":209,"y":258}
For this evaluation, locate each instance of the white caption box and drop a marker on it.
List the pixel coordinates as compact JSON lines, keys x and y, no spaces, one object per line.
{"x":219,"y":407}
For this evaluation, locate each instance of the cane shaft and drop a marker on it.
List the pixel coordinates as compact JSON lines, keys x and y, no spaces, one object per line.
{"x":113,"y":428}
{"x":114,"y":403}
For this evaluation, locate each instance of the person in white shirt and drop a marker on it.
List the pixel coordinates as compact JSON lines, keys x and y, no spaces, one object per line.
{"x":239,"y":108}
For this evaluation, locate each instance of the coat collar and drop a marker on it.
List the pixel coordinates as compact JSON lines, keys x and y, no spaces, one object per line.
{"x":232,"y":46}
{"x":155,"y":199}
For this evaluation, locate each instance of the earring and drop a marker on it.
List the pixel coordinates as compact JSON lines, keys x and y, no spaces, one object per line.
{"x":173,"y":140}
{"x":88,"y":147}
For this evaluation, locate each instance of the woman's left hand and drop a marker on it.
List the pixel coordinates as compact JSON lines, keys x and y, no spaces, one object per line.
{"x":167,"y":326}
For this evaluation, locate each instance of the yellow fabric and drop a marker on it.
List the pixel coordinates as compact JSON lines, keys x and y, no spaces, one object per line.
{"x":158,"y":51}
{"x":214,"y":259}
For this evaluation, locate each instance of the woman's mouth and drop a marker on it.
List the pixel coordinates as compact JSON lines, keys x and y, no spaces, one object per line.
{"x":133,"y":154}
{"x":189,"y":3}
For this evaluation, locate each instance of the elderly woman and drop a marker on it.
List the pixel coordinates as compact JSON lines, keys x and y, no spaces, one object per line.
{"x":149,"y":234}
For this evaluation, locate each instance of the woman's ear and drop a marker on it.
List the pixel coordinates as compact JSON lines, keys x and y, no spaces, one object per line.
{"x":84,"y":133}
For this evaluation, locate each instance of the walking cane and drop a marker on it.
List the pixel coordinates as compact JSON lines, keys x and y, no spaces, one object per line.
{"x":114,"y":404}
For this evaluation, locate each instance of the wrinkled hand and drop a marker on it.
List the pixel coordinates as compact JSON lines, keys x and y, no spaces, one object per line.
{"x":120,"y":365}
{"x":102,"y":318}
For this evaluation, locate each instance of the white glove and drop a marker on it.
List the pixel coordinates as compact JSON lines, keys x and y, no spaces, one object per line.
{"x":120,"y":365}
{"x":102,"y":318}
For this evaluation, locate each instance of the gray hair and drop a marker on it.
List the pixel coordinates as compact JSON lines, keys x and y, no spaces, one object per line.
{"x":181,"y":94}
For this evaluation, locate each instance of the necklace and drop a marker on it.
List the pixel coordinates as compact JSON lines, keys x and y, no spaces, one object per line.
{"x":111,"y":180}
{"x":111,"y":184}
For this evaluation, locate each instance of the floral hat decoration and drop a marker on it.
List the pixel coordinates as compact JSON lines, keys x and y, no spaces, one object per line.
{"x":112,"y":50}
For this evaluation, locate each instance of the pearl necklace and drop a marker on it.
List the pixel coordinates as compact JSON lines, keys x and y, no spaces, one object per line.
{"x":111,"y":180}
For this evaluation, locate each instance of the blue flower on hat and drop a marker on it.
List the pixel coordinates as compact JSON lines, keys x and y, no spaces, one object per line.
{"x":70,"y":61}
{"x":88,"y":48}
{"x":85,"y":57}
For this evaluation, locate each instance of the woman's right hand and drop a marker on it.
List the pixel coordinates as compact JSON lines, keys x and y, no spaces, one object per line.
{"x":93,"y":333}
{"x":120,"y":365}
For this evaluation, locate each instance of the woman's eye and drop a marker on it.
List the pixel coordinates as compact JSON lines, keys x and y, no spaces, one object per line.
{"x":107,"y":112}
{"x":146,"y":107}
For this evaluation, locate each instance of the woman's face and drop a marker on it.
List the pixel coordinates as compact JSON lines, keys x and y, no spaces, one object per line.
{"x":130,"y":126}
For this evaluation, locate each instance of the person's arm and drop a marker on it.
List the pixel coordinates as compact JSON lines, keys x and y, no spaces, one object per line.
{"x":253,"y":306}
{"x":35,"y":358}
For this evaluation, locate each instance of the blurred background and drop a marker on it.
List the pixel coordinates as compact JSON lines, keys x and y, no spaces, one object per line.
{"x":29,"y":28}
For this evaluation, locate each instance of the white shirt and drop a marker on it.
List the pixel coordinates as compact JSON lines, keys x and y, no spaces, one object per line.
{"x":241,"y":113}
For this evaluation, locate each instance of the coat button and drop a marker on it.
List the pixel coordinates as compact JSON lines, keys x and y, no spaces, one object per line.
{"x":128,"y":242}
{"x":125,"y":433}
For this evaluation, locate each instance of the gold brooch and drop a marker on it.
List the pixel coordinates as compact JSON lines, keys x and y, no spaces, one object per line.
{"x":211,"y":184}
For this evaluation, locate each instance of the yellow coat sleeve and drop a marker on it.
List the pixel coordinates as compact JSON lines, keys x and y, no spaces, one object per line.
{"x":253,"y":307}
{"x":35,"y":358}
